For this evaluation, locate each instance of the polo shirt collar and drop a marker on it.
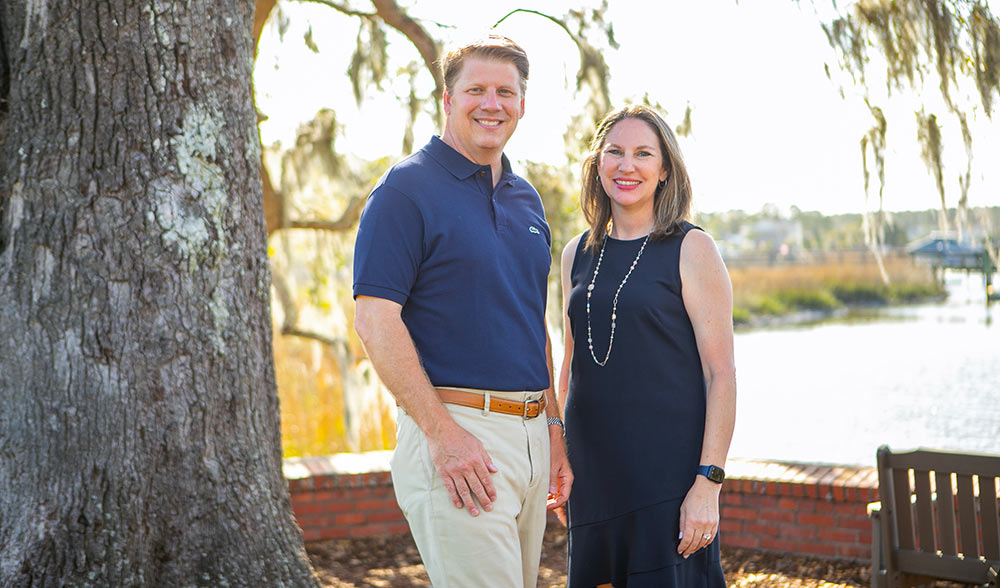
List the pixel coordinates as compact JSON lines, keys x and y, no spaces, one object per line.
{"x":459,"y":165}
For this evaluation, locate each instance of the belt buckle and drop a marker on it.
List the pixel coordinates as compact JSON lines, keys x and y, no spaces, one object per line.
{"x":525,"y":414}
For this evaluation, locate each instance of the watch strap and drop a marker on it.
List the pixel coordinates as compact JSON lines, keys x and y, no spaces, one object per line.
{"x":713,"y":473}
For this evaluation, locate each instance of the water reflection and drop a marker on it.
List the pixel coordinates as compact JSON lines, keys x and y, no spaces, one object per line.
{"x":832,"y":392}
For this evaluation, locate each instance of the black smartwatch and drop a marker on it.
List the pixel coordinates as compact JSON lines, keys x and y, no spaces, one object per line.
{"x":713,"y":473}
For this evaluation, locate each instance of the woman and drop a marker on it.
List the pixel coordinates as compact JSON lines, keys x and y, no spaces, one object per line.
{"x":648,"y":382}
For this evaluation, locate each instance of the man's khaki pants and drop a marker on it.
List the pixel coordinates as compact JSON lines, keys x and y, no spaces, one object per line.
{"x":500,"y":548}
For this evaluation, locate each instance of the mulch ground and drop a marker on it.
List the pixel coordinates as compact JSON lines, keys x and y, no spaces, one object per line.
{"x":393,"y":562}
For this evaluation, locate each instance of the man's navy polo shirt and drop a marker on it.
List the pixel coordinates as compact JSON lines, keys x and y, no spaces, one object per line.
{"x":469,"y":264}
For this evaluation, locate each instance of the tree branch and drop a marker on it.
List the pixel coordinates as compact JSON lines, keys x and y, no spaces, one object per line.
{"x":274,"y":202}
{"x":262,"y":10}
{"x":285,"y":299}
{"x":543,"y":15}
{"x":346,"y":221}
{"x":289,"y":324}
{"x":342,"y":8}
{"x":296,"y":332}
{"x":593,"y":69}
{"x":394,"y":16}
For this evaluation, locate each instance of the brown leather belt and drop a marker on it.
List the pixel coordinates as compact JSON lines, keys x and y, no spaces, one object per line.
{"x":527,"y":410}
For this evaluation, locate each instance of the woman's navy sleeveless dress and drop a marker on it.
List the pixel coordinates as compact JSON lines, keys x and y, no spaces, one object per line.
{"x":634,"y":427}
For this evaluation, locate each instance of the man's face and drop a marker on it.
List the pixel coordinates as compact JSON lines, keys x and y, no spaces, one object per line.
{"x":483,"y":108}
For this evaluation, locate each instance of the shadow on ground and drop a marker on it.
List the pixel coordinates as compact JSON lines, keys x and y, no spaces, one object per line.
{"x":393,"y":562}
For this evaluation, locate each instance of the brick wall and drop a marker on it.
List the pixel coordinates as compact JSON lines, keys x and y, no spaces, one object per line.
{"x":807,"y":509}
{"x":344,"y":495}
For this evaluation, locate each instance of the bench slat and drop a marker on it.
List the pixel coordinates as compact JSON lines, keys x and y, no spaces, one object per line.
{"x":946,"y":513}
{"x":988,"y":510}
{"x":904,"y":511}
{"x":967,"y":517}
{"x":925,"y":515}
{"x":951,"y":568}
{"x":969,"y":464}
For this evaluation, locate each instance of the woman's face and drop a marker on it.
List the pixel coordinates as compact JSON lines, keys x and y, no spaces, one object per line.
{"x":630,"y":164}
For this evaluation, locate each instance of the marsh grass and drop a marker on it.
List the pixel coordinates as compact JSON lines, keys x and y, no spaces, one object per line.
{"x":782,"y":289}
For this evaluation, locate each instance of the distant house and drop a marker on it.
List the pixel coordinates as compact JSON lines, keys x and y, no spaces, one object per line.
{"x":947,"y":252}
{"x":775,"y":237}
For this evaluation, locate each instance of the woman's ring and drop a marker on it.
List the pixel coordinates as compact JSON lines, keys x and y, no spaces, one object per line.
{"x":706,"y":536}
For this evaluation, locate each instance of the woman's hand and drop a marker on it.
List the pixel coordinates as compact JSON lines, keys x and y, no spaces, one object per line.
{"x":699,"y":519}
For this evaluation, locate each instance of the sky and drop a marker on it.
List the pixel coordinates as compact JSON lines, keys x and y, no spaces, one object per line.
{"x":769,"y":126}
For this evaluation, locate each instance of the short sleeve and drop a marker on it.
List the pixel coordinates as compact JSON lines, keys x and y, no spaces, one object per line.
{"x":389,"y":246}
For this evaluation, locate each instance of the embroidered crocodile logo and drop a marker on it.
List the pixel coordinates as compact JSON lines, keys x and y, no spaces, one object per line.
{"x":534,"y":230}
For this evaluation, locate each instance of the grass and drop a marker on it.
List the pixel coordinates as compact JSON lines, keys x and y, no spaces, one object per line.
{"x":783,"y":289}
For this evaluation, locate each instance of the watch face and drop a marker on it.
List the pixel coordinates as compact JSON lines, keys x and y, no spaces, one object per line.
{"x":713,"y":473}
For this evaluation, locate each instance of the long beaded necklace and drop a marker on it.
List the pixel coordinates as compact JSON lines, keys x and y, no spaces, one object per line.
{"x":614,"y":302}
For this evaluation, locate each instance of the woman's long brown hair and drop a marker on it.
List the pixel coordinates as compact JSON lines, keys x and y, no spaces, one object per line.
{"x":672,"y":200}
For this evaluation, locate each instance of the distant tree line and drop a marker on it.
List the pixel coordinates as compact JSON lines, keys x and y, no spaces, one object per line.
{"x":815,"y":232}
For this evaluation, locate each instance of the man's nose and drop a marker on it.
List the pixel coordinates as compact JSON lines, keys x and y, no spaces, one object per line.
{"x":490,"y":101}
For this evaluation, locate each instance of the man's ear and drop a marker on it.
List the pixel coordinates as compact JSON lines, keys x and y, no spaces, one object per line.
{"x":446,"y":100}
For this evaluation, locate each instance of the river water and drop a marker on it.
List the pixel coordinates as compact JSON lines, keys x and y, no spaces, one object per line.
{"x":832,"y":392}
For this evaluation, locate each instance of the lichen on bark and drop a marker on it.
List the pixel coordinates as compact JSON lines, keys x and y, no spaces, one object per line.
{"x":190,"y":212}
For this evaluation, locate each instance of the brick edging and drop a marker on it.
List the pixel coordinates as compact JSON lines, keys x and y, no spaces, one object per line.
{"x":804,"y":509}
{"x":799,"y":508}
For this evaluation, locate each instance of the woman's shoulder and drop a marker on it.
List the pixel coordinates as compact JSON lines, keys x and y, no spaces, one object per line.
{"x":573,"y":244}
{"x":699,"y":255}
{"x":698,"y":243}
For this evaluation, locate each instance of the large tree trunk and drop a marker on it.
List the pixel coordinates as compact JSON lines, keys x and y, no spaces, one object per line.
{"x":139,"y":426}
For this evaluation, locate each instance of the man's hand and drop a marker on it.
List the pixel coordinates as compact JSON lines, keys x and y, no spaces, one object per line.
{"x":464,"y":467}
{"x":560,"y":474}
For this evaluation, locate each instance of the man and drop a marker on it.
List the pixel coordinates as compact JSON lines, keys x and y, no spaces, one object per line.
{"x":450,"y":272}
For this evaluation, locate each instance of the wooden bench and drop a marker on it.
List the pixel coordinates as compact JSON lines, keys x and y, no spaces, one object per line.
{"x":937,"y":519}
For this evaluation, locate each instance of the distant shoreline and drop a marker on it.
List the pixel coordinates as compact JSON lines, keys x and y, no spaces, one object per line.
{"x":778,"y":295}
{"x":803,"y":317}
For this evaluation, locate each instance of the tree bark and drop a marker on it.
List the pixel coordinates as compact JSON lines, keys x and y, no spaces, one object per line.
{"x":139,"y":426}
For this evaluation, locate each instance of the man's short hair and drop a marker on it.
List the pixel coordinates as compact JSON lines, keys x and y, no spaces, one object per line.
{"x":495,"y":47}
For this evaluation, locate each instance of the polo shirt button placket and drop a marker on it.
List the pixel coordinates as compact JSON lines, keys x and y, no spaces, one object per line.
{"x":491,"y":194}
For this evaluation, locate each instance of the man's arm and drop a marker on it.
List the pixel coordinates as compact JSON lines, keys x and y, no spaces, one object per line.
{"x":458,"y":456}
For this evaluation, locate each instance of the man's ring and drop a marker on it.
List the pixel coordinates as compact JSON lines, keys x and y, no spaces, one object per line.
{"x":706,"y":536}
